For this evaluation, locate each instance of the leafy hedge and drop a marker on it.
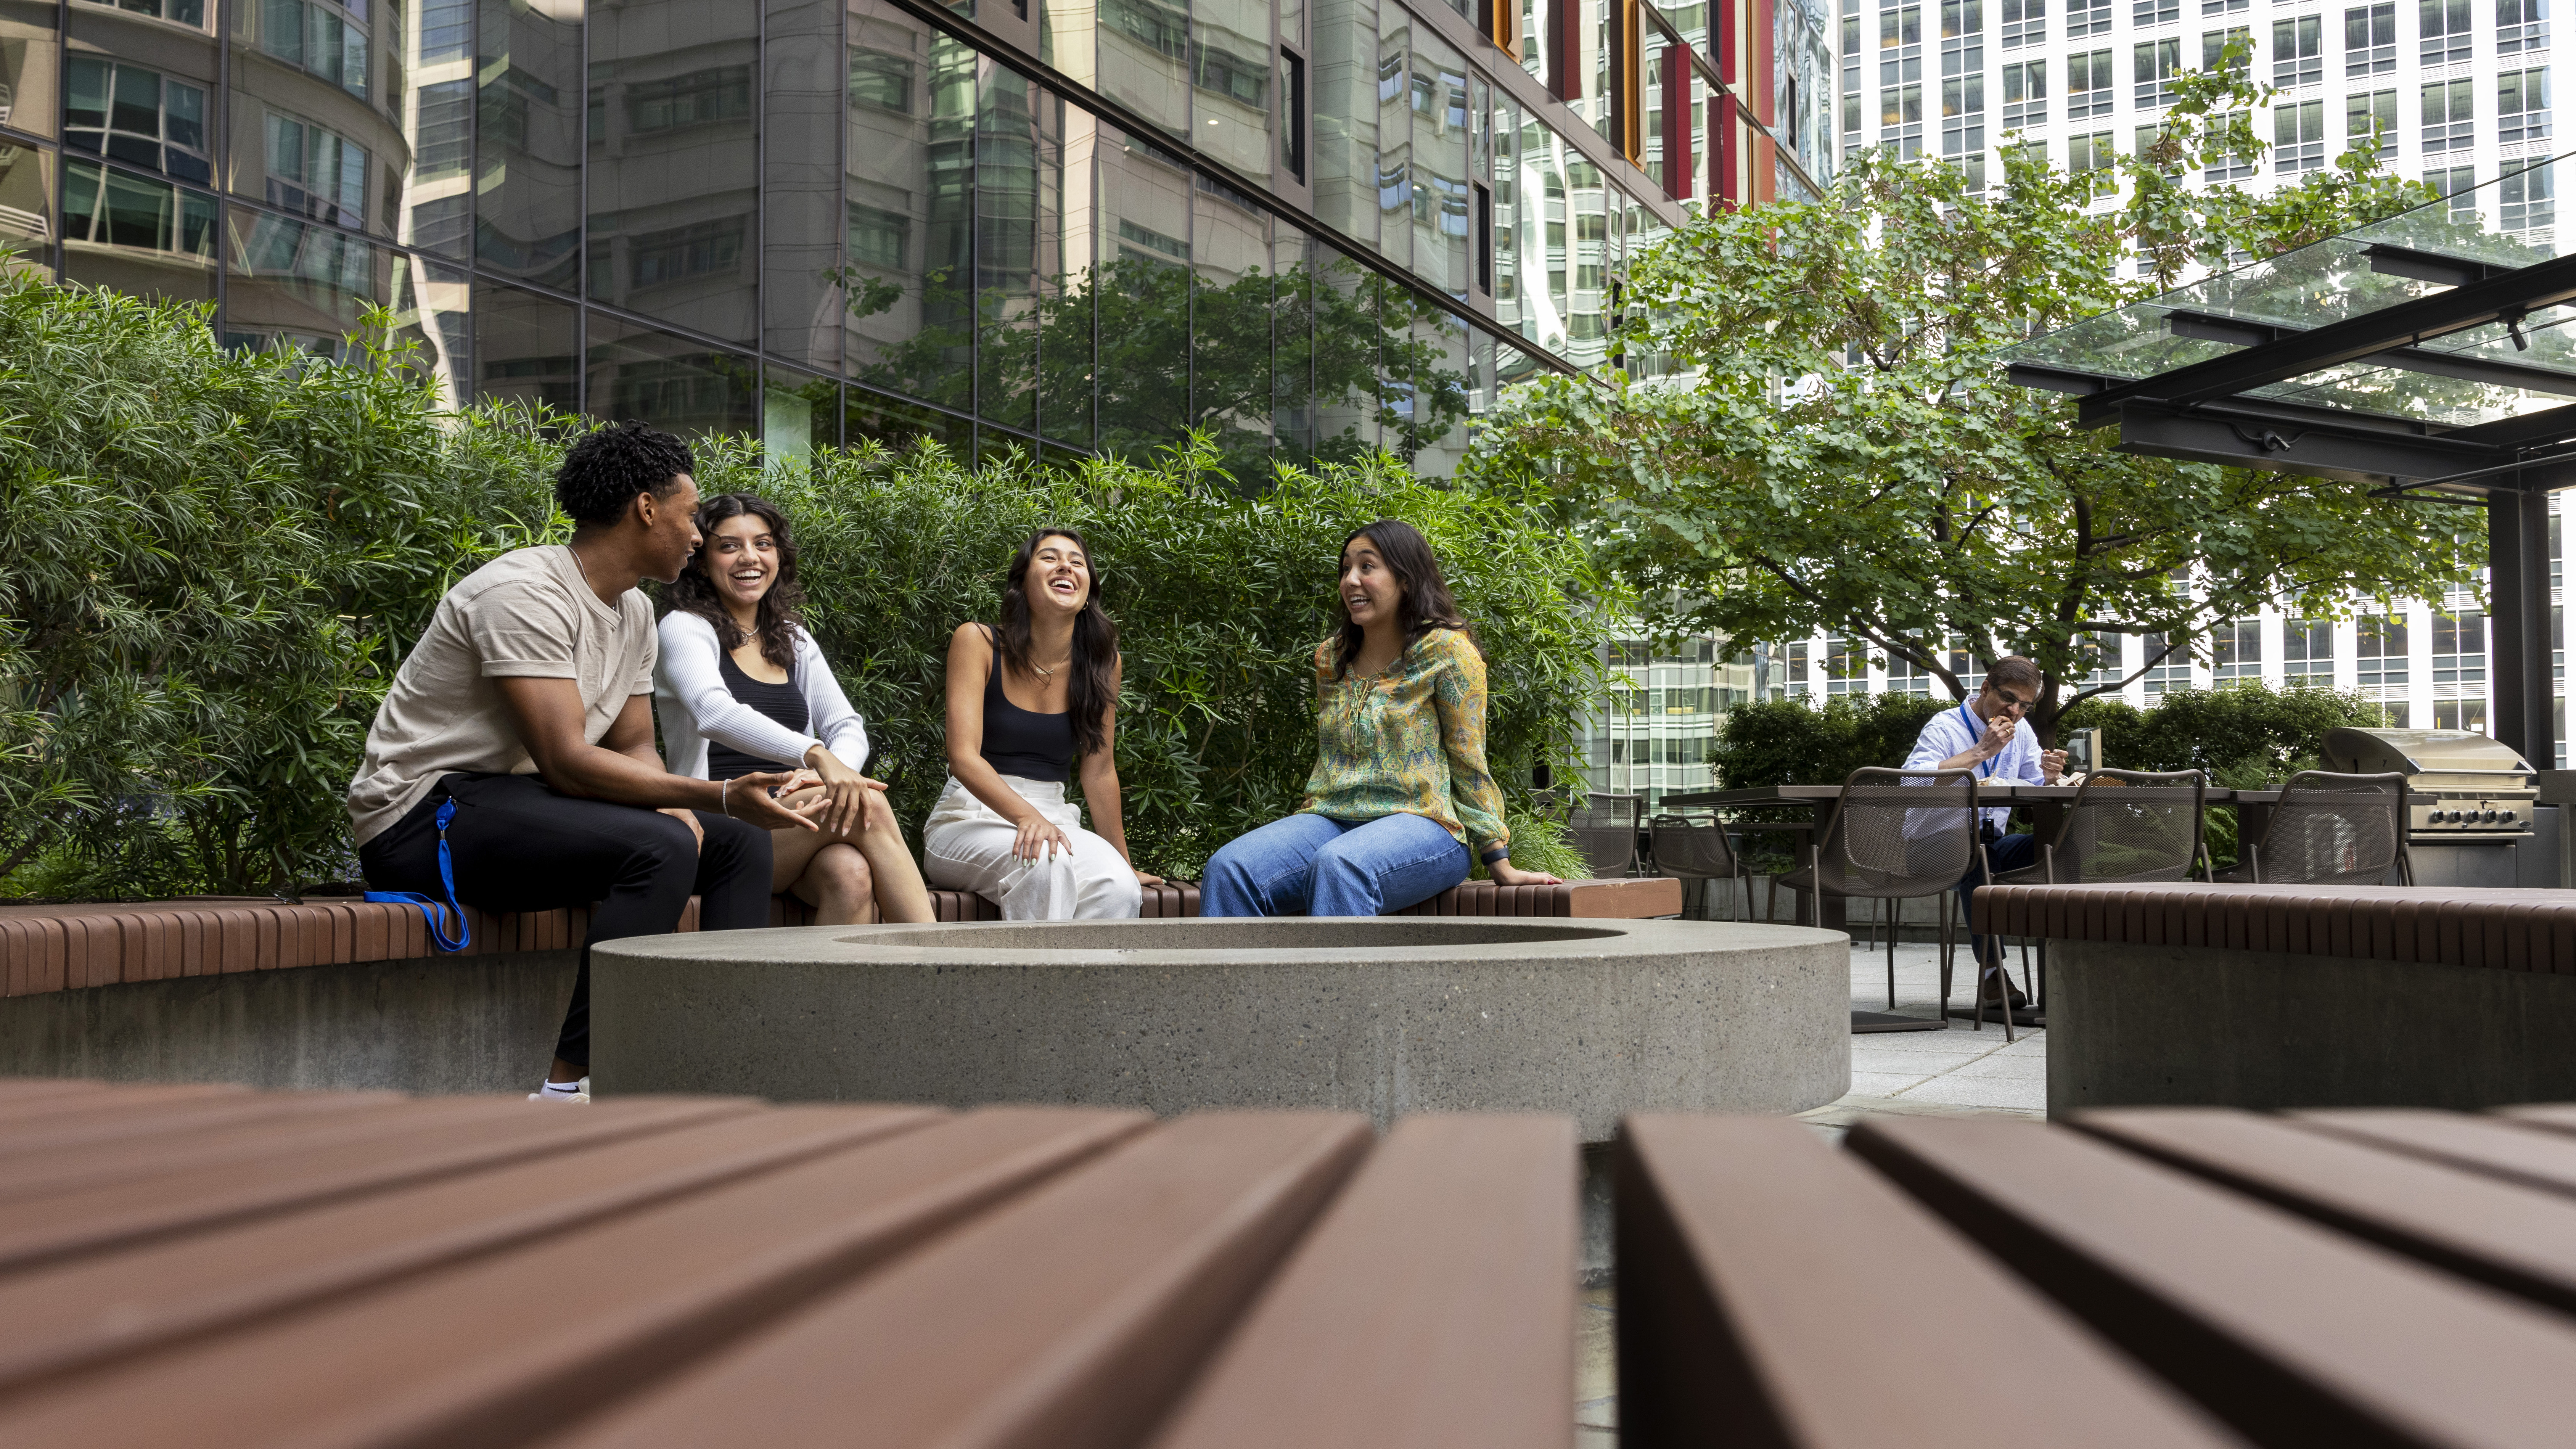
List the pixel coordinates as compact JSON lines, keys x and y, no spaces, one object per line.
{"x":218,"y":559}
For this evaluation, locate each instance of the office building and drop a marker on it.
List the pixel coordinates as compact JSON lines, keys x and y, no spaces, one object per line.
{"x":1309,"y":226}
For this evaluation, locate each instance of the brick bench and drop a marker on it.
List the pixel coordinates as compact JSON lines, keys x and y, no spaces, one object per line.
{"x":2301,"y":996}
{"x":217,"y":1267}
{"x":232,"y":988}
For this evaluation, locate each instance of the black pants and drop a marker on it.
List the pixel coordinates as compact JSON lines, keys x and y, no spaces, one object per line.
{"x":518,"y":846}
{"x":2003,"y":853}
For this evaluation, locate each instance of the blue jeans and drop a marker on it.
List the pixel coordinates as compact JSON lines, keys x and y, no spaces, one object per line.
{"x":1313,"y":865}
{"x":2012,"y":852}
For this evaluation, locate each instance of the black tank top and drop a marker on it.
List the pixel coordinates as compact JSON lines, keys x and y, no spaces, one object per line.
{"x":1020,"y":741}
{"x":781,"y":702}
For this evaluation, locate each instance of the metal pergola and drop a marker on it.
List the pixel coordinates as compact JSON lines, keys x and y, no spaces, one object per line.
{"x":2432,"y":355}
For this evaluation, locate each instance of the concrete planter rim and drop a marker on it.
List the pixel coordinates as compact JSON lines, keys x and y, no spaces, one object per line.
{"x":1389,"y":940}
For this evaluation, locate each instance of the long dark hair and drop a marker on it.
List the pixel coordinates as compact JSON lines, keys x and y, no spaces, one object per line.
{"x":1423,"y":603}
{"x":1092,"y":686}
{"x":781,"y":609}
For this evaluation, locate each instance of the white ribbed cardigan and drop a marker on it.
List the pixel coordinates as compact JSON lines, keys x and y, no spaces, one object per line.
{"x":690,"y":698}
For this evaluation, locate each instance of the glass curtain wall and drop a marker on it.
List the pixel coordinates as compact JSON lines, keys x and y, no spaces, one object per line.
{"x":824,"y":221}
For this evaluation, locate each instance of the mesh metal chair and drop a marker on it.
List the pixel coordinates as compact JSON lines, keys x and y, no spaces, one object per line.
{"x":1699,"y":851}
{"x":1605,"y":830}
{"x":2122,"y":825}
{"x":1895,"y":835}
{"x":2331,"y":830}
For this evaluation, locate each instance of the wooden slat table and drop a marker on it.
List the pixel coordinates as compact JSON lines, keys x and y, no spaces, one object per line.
{"x":649,"y":1273}
{"x":472,"y":1272}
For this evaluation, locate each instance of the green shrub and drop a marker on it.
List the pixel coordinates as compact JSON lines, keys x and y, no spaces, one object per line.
{"x":1220,"y":600}
{"x":1805,"y":741}
{"x":219,"y":558}
{"x":214,"y":556}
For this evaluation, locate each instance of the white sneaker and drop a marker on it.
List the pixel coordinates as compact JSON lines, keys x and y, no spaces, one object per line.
{"x":578,"y":1096}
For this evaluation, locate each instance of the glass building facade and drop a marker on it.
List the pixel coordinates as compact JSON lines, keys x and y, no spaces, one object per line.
{"x":1311,"y":227}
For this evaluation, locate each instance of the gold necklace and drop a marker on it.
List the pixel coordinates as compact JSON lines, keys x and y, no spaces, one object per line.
{"x":1048,"y":671}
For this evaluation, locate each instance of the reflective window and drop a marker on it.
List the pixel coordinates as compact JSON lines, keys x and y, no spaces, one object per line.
{"x":902,"y":288}
{"x":630,"y":370}
{"x":29,"y":47}
{"x":1233,"y":329}
{"x":1144,"y":59}
{"x":527,"y":347}
{"x":318,"y":38}
{"x":27,"y":206}
{"x":805,"y":71}
{"x":528,"y":124}
{"x":1392,"y":172}
{"x":1344,"y":81}
{"x":296,"y":285}
{"x":1143,"y":274}
{"x":1442,"y":207}
{"x":1230,"y":83}
{"x":137,"y":233}
{"x":674,"y":172}
{"x":315,"y":171}
{"x":135,"y":115}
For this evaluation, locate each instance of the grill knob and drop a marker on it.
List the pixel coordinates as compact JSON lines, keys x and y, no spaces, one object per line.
{"x":2487,"y":815}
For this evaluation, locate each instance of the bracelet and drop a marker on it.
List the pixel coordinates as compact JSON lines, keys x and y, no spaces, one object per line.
{"x":724,"y":794}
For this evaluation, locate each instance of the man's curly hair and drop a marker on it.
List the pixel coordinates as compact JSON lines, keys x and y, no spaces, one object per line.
{"x":603,"y":472}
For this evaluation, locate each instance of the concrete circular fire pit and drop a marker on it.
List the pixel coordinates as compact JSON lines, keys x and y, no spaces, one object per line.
{"x":1386,"y":1016}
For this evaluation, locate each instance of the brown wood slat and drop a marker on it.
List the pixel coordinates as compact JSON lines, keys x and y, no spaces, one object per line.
{"x":1773,"y":1292}
{"x":2552,"y":1116}
{"x":2520,"y":1239}
{"x":1625,"y":899}
{"x":1455,"y":1246}
{"x":21,"y":1112}
{"x":28,"y":1089}
{"x":2291,"y":1332}
{"x":106,"y":1164}
{"x":390,"y":1156}
{"x":509,"y":1346}
{"x":2485,"y":1144}
{"x":1068,"y":1320}
{"x":91,"y":1310}
{"x":137,"y":1113}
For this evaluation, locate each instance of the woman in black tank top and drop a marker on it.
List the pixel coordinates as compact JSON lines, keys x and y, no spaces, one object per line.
{"x":1029,"y":702}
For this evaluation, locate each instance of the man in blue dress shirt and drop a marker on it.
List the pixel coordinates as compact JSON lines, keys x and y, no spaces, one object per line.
{"x":1987,"y":735}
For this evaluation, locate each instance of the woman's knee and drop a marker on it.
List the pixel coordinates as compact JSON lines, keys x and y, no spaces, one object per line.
{"x":840,"y":870}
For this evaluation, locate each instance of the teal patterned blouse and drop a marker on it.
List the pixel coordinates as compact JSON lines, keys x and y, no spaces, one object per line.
{"x":1409,"y":741}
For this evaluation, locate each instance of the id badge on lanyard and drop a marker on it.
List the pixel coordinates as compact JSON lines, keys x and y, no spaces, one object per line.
{"x":1976,"y":731}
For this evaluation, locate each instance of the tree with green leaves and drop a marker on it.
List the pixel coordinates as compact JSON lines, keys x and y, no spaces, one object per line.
{"x":1840,"y":453}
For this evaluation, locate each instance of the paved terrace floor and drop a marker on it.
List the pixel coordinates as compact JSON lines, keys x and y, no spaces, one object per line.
{"x":1940,"y":1073}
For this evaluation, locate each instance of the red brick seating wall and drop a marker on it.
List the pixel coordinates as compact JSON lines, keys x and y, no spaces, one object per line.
{"x":67,"y":948}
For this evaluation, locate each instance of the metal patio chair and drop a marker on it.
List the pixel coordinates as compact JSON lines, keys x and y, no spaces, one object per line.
{"x":2122,"y":825}
{"x":1699,"y":852}
{"x":1895,"y":835}
{"x":1605,"y":829}
{"x":2331,"y":829}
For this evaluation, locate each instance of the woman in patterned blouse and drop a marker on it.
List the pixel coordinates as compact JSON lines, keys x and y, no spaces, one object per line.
{"x":1400,"y":792}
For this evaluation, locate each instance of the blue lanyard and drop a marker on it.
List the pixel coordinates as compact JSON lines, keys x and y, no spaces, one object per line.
{"x":1976,"y":732}
{"x":430,"y":909}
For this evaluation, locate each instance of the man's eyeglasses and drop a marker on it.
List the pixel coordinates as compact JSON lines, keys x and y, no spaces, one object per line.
{"x":2012,"y":700}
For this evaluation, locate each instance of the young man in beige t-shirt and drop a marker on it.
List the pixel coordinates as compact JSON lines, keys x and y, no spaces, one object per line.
{"x":528,"y":704}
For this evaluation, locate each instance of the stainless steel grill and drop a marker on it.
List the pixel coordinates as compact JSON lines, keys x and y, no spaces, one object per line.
{"x":2482,"y":790}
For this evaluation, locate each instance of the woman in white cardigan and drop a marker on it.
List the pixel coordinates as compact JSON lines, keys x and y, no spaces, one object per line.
{"x":741,"y":688}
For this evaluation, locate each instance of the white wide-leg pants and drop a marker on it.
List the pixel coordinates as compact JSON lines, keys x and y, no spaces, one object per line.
{"x":965,"y":846}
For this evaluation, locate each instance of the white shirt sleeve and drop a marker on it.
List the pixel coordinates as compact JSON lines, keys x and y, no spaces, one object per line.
{"x":1934,"y":744}
{"x":828,"y":711}
{"x":690,"y":655}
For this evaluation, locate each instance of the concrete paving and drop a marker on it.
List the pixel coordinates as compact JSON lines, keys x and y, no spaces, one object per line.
{"x":1958,"y":1072}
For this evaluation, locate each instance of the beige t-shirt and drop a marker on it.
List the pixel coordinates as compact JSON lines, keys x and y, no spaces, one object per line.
{"x":527,"y":614}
